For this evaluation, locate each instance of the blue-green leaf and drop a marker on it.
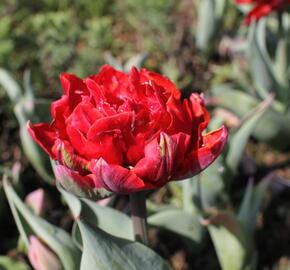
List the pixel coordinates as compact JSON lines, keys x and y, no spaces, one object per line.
{"x":7,"y":263}
{"x":106,"y":218}
{"x":251,"y":204}
{"x":104,"y":251}
{"x":178,"y":221}
{"x":233,"y":244}
{"x":29,"y":224}
{"x":12,"y":88}
{"x":238,"y":139}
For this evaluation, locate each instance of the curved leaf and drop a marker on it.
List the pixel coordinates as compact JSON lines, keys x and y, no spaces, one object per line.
{"x":178,"y":221}
{"x":29,"y":224}
{"x":233,"y":245}
{"x":105,"y":218}
{"x":238,"y":139}
{"x":104,"y":251}
{"x":7,"y":263}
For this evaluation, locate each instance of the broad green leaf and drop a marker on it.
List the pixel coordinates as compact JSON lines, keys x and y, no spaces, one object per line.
{"x":178,"y":221}
{"x":21,"y":223}
{"x":106,"y":218}
{"x":27,"y":85}
{"x":212,"y":184}
{"x":38,"y":158}
{"x":237,"y":140}
{"x":104,"y":251}
{"x":273,"y":127}
{"x":209,"y":22}
{"x":226,"y":96}
{"x":112,"y":61}
{"x":190,"y":190}
{"x":232,"y":243}
{"x":206,"y":27}
{"x":6,"y":263}
{"x":137,"y":61}
{"x":29,"y":224}
{"x":251,"y":204}
{"x":220,"y":8}
{"x":24,"y":109}
{"x":204,"y":190}
{"x":73,"y":202}
{"x":282,"y":62}
{"x":260,"y":62}
{"x":12,"y":88}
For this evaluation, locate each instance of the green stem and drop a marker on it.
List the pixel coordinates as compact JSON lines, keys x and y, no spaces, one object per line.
{"x":138,"y":215}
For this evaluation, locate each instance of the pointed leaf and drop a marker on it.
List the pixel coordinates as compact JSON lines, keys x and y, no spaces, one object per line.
{"x":260,"y":62}
{"x":7,"y":263}
{"x":212,"y":184}
{"x":104,"y":251}
{"x":206,"y":26}
{"x":27,"y":85}
{"x":137,"y":61}
{"x":12,"y":88}
{"x":178,"y":221}
{"x":57,"y":239}
{"x":273,"y":127}
{"x":251,"y":203}
{"x":106,"y":218}
{"x":238,"y":139}
{"x":32,"y":150}
{"x":232,"y":243}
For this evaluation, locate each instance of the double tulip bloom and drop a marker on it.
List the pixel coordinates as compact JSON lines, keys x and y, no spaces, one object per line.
{"x":127,"y":132}
{"x":262,"y":8}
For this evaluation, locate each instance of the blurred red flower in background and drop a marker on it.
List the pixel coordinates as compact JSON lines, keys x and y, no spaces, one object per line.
{"x":127,"y":132}
{"x":262,"y":8}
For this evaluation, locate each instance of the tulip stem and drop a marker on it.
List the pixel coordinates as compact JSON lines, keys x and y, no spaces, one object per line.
{"x":138,"y":215}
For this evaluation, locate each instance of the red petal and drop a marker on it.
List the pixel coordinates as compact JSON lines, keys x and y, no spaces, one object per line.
{"x":162,"y":158}
{"x":74,"y":88}
{"x":59,"y":107}
{"x":44,"y":135}
{"x":201,"y":115}
{"x":161,"y":81}
{"x":198,"y":160}
{"x":259,"y":11}
{"x":117,"y":178}
{"x":114,"y":83}
{"x":180,"y":122}
{"x":118,"y":121}
{"x":83,"y":117}
{"x":245,"y":1}
{"x":103,"y":145}
{"x":110,"y":76}
{"x":100,"y":95}
{"x":135,"y":147}
{"x":137,"y":90}
{"x":95,"y":90}
{"x":263,"y":8}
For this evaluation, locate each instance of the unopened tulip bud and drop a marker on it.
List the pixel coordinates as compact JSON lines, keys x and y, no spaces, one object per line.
{"x":38,"y":201}
{"x":41,"y":256}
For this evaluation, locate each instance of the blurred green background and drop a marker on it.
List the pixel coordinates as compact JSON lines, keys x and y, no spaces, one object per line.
{"x":201,"y":46}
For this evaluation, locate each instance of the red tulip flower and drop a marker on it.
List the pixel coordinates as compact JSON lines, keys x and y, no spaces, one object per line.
{"x":127,"y":132}
{"x":262,"y":8}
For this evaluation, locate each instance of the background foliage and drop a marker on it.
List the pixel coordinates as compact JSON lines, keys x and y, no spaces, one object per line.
{"x":235,"y":215}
